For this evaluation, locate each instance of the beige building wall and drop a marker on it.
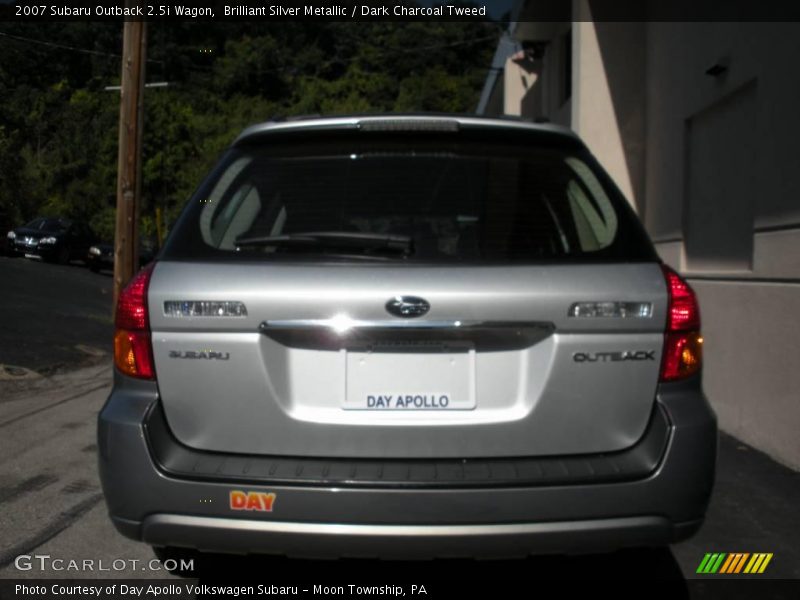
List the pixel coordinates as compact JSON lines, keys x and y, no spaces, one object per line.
{"x":723,"y":205}
{"x":608,"y":108}
{"x":521,"y":86}
{"x":698,"y":125}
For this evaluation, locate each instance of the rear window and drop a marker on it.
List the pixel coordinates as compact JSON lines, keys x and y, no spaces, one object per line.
{"x":408,"y":200}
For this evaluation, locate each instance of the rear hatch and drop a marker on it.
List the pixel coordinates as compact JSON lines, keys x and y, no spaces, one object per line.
{"x":469,"y":292}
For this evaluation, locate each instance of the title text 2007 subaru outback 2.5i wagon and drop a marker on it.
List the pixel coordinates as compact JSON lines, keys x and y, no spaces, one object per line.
{"x":407,"y":336}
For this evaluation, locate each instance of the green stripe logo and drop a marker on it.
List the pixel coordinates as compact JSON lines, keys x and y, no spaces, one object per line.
{"x":732,"y":563}
{"x":711,"y":563}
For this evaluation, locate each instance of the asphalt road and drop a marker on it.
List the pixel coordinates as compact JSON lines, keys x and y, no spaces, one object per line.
{"x":51,"y":502}
{"x":53,"y":317}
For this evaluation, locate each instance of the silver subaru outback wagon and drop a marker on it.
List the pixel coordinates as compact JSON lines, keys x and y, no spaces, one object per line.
{"x":407,"y":337}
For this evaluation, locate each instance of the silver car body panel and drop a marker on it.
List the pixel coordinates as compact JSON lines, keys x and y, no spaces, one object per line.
{"x":291,"y":399}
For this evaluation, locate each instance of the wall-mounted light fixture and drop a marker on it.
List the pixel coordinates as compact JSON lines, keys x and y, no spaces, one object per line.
{"x":719,"y":68}
{"x":534,"y":49}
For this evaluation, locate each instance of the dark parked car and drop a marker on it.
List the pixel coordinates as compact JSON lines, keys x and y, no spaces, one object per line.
{"x":54,"y":239}
{"x":101,"y":255}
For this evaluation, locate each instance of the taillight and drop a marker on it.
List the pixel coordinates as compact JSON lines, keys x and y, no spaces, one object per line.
{"x":133,"y":352}
{"x":683,"y":344}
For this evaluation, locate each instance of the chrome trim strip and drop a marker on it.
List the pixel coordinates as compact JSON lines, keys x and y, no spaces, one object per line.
{"x":341,"y":332}
{"x":399,"y":541}
{"x":155,"y":522}
{"x":346,"y":324}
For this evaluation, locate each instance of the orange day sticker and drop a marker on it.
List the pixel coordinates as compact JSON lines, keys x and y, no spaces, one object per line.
{"x":260,"y":501}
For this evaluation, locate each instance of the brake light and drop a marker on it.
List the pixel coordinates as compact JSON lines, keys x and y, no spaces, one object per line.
{"x":133,"y":352}
{"x":683,"y":344}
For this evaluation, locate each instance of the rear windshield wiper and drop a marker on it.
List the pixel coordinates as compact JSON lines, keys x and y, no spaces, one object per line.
{"x":333,"y":239}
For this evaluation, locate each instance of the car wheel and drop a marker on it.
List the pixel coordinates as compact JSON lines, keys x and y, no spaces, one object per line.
{"x":63,"y":255}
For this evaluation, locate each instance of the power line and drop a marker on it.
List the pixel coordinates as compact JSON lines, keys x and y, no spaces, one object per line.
{"x":442,"y":46}
{"x":378,"y":50}
{"x":382,"y":51}
{"x":19,"y":38}
{"x":387,"y":50}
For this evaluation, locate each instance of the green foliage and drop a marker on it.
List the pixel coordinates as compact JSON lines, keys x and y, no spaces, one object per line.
{"x":59,"y":127}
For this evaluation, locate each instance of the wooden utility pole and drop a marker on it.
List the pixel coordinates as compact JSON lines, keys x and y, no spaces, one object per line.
{"x":129,"y":175}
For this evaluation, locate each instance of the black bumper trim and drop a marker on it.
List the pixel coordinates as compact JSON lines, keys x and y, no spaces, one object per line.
{"x":179,"y":461}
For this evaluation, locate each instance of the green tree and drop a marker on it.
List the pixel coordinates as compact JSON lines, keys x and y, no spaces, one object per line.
{"x":58,"y":126}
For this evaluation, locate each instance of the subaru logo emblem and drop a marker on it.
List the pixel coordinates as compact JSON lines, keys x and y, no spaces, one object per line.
{"x":407,"y":307}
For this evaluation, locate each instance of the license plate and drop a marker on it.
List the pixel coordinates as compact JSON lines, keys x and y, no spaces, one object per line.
{"x":410,"y":381}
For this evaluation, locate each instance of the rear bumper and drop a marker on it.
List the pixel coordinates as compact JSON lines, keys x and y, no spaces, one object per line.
{"x":44,"y":251}
{"x":325,"y":540}
{"x":22,"y":249}
{"x":331,"y":520}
